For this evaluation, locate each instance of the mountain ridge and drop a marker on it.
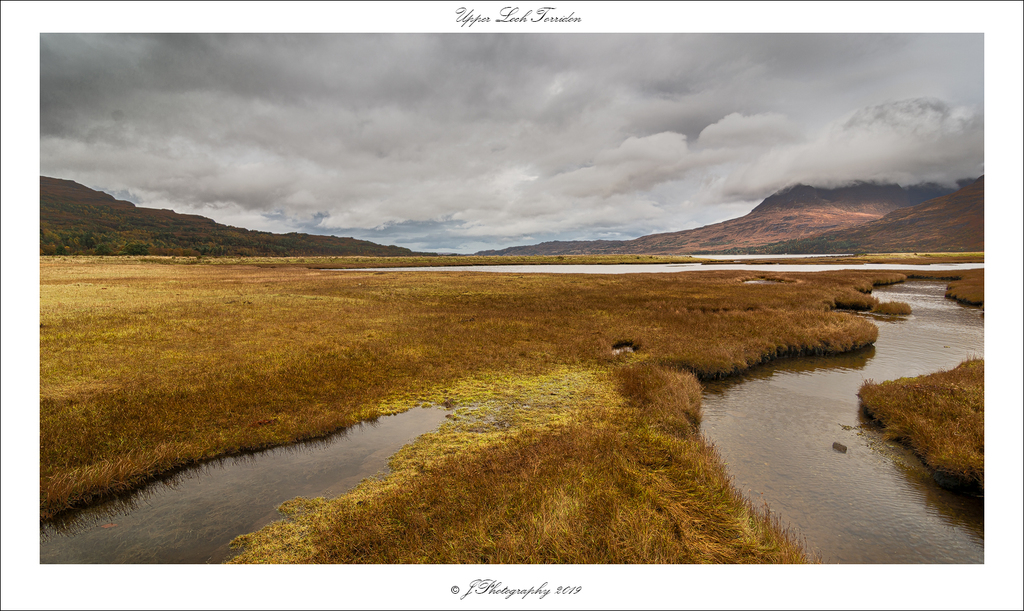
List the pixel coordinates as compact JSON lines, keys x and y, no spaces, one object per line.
{"x":793,"y":213}
{"x":75,"y":220}
{"x":950,"y":223}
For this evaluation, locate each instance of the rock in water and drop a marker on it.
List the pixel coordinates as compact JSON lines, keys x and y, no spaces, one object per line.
{"x":838,"y":447}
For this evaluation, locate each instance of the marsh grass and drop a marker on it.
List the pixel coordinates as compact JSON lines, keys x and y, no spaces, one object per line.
{"x":892,"y":308}
{"x":424,"y":260}
{"x":610,"y":469}
{"x":446,"y":261}
{"x":358,"y":262}
{"x":922,"y":258}
{"x":890,"y":258}
{"x":147,"y":367}
{"x":969,"y":289}
{"x":941,"y":416}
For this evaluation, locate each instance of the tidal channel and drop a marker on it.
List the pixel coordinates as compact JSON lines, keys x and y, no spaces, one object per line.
{"x":191,"y":517}
{"x":876,"y":503}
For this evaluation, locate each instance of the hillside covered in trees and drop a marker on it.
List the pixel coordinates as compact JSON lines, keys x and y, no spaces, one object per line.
{"x":77,"y":220}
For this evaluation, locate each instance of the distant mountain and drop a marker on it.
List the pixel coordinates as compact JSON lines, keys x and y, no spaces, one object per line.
{"x":950,"y":223}
{"x":795,"y":212}
{"x":74,"y":220}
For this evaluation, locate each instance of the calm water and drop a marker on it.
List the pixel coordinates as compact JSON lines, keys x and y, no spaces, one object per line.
{"x":659,"y":268}
{"x":193,"y":516}
{"x":876,"y":503}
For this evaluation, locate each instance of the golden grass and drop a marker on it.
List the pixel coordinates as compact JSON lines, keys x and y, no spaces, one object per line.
{"x":907,"y":258}
{"x":941,"y":416}
{"x":969,"y":289}
{"x":146,"y":367}
{"x":892,"y":308}
{"x":620,"y":476}
{"x":445,"y":261}
{"x":359,"y":262}
{"x":923,"y":258}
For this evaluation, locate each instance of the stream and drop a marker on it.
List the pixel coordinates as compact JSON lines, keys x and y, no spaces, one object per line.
{"x":191,"y":517}
{"x":775,"y":425}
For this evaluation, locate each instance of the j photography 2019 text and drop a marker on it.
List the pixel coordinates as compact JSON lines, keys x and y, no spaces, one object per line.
{"x":493,"y":586}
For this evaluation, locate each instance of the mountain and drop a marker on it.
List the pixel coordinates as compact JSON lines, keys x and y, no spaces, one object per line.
{"x":950,"y":223}
{"x":799,"y":211}
{"x":77,"y":220}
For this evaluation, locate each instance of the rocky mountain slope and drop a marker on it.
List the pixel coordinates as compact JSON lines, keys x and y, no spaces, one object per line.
{"x":951,"y":223}
{"x":797,"y":212}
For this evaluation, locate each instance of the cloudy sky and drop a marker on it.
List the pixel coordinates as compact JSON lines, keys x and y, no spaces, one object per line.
{"x":474,"y":139}
{"x":460,"y":142}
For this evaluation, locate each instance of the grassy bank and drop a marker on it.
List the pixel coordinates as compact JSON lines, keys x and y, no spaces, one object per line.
{"x":933,"y":258}
{"x":922,"y":258}
{"x":969,"y":288}
{"x":579,"y":466}
{"x":941,"y":416}
{"x":892,"y":308}
{"x":147,"y":367}
{"x":360,"y":262}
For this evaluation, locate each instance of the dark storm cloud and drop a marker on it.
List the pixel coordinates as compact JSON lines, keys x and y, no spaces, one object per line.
{"x":446,"y":141}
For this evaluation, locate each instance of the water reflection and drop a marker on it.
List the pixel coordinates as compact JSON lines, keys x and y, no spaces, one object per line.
{"x":192,"y":516}
{"x":775,"y":427}
{"x":847,"y":361}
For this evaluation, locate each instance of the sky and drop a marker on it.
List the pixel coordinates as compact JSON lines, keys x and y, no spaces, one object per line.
{"x":464,"y":141}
